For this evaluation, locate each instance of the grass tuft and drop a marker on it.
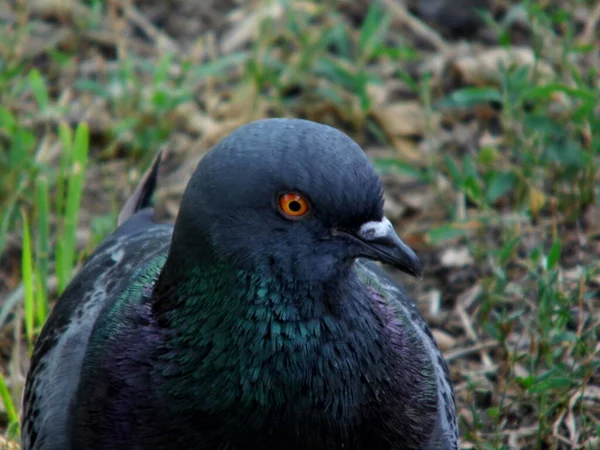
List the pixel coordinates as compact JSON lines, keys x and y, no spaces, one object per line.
{"x":487,"y":143}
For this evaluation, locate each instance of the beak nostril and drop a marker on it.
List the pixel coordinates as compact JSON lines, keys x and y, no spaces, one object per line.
{"x":378,"y":240}
{"x":376,"y":229}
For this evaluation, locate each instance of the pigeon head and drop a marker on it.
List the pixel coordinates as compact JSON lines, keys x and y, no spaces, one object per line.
{"x":287,"y":197}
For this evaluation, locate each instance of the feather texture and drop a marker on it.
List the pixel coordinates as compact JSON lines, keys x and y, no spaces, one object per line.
{"x":164,"y":341}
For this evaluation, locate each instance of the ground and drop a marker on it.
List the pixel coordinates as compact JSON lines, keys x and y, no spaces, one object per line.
{"x":481,"y":116}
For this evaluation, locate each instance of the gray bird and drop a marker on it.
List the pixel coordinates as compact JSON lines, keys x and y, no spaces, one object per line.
{"x":257,"y":321}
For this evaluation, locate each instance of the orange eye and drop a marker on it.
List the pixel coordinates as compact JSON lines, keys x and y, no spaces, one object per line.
{"x":293,"y":205}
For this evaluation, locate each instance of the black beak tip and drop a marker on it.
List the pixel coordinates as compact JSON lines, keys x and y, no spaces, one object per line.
{"x":415,"y":268}
{"x":378,"y":241}
{"x":411,"y":265}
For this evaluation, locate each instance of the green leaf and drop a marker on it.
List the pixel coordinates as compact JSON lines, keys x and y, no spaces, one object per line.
{"x":161,"y":73}
{"x":7,"y":121}
{"x":39,"y":89}
{"x":473,"y":189}
{"x":339,"y":39}
{"x":22,"y":145}
{"x":553,"y":255}
{"x":535,"y":255}
{"x":487,"y":156}
{"x":454,"y":171}
{"x":508,"y":250}
{"x":218,"y":66}
{"x":543,"y":124}
{"x":569,"y":153}
{"x":391,"y":165}
{"x":546,"y":92}
{"x":335,"y":71}
{"x":396,"y":53}
{"x":446,"y":233}
{"x":469,"y":97}
{"x":500,"y":183}
{"x":469,"y":167}
{"x":374,"y":27}
{"x":93,"y":87}
{"x":494,"y":412}
{"x":551,"y":384}
{"x":331,"y":94}
{"x":412,"y":84}
{"x":525,"y":382}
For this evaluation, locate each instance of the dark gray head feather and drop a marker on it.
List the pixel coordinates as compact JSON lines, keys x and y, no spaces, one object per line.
{"x":231,"y":198}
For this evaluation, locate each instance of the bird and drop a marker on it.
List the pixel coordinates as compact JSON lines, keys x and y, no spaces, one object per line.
{"x":261,"y":319}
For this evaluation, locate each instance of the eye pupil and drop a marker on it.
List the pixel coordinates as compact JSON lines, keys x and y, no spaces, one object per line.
{"x":293,"y":206}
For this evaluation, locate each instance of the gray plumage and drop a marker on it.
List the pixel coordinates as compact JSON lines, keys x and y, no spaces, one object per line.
{"x":244,"y":327}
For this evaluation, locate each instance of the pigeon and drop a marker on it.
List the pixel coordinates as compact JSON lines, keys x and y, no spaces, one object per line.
{"x":262,"y":319}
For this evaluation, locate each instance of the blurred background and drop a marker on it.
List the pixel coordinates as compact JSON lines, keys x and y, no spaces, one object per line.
{"x":482,"y":117}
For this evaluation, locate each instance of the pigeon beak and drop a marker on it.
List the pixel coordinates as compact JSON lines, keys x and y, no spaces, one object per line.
{"x":379,"y":242}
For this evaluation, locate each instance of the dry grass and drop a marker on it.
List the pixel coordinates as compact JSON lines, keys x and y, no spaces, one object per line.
{"x":488,"y":148}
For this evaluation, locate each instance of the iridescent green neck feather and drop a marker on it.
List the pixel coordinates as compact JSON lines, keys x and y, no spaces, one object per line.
{"x":245,"y":340}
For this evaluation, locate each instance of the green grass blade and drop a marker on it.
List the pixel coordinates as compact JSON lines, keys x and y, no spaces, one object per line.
{"x":28,"y":282}
{"x":66,"y":139}
{"x":60,"y":272}
{"x":39,"y":89}
{"x":373,"y":29}
{"x":73,"y":204}
{"x":5,"y":223}
{"x":41,"y":300}
{"x":9,"y":405}
{"x":42,"y":247}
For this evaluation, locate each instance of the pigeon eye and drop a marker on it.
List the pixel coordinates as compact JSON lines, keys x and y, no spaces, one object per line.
{"x":293,"y":206}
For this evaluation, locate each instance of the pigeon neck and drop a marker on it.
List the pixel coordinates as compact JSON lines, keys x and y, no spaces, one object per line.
{"x":230,"y":326}
{"x":212,"y":287}
{"x":194,"y":280}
